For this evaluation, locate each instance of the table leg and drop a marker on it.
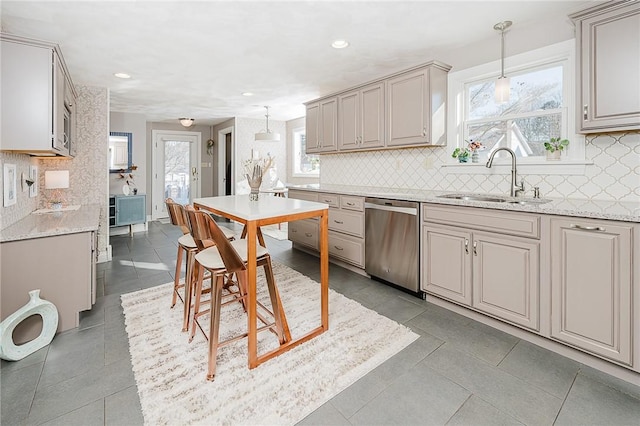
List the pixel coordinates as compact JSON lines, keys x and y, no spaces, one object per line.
{"x":324,"y":270}
{"x":258,"y":233}
{"x":252,"y":296}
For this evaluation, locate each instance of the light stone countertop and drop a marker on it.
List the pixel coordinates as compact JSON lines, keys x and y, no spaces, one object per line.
{"x":596,"y":209}
{"x":85,"y":219}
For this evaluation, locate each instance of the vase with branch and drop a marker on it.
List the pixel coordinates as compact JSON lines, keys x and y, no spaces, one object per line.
{"x":254,"y":170}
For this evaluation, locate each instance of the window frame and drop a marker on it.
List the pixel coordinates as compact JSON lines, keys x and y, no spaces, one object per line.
{"x":295,"y":149}
{"x":563,"y":53}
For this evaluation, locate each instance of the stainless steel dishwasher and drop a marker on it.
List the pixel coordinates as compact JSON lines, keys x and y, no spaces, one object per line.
{"x":392,"y":242}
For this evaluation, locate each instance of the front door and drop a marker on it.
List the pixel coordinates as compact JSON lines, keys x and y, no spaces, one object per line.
{"x":176,"y":169}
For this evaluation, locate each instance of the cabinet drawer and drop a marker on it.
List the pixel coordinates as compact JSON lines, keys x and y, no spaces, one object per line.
{"x":331,"y":199}
{"x":521,"y":224}
{"x":347,"y":222}
{"x":348,"y":249}
{"x":352,"y":203}
{"x":304,"y":232}
{"x":303,"y":195}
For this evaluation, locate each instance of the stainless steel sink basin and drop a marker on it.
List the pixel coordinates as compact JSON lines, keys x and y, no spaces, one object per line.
{"x":495,"y":199}
{"x":473,"y":198}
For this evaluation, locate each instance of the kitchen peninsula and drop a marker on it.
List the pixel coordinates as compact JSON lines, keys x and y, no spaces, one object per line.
{"x":56,"y":253}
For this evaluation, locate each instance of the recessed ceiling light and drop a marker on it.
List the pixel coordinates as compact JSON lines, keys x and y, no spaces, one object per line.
{"x":339,"y":44}
{"x":247,"y":94}
{"x":122,"y":75}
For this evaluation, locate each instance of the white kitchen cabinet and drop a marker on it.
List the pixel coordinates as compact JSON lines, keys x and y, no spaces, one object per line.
{"x":493,"y":272}
{"x":35,"y":118}
{"x":592,"y":286}
{"x":416,"y":107}
{"x":361,"y":118}
{"x":608,"y":60}
{"x":321,"y":126}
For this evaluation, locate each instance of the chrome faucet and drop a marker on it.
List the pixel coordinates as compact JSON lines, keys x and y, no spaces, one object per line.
{"x":516,"y":189}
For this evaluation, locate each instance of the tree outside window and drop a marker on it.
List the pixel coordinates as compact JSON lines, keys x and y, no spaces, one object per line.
{"x":303,"y":164}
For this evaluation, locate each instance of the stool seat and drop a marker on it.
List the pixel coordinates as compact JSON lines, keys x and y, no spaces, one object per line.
{"x":210,"y":258}
{"x":186,"y":241}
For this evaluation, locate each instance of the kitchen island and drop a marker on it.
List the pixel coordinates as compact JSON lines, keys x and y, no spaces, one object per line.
{"x":56,"y":253}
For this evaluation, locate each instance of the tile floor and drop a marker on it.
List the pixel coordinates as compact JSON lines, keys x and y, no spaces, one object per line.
{"x":459,"y":372}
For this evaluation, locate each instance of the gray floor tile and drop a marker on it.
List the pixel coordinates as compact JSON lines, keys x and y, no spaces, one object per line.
{"x":421,"y":396}
{"x":480,"y":340}
{"x":73,"y":353}
{"x":326,"y":415}
{"x":547,"y":370}
{"x":477,"y":412}
{"x":613,"y":382}
{"x":509,"y":394}
{"x":593,"y":403}
{"x":17,"y":392}
{"x":399,"y":309}
{"x":89,"y":415}
{"x":38,"y":357}
{"x":123,"y":408}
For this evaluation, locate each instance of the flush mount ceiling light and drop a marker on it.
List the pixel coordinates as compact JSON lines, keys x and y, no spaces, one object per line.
{"x":186,"y":122}
{"x":339,"y":44}
{"x":503,"y":83}
{"x":122,"y":75}
{"x":267,"y":135}
{"x":247,"y":94}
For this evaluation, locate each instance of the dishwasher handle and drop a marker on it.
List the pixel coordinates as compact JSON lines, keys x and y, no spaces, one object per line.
{"x":406,"y":210}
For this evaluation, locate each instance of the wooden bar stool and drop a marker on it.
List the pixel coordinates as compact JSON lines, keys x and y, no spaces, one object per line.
{"x":226,"y":257}
{"x":187,"y":245}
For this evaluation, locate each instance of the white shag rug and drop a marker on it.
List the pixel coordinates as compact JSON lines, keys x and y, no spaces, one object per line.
{"x":274,"y":232}
{"x":170,"y":372}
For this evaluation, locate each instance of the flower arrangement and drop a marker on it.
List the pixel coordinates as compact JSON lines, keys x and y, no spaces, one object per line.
{"x":472,"y":148}
{"x":474,"y":145}
{"x":462,"y":154}
{"x":129,"y":178}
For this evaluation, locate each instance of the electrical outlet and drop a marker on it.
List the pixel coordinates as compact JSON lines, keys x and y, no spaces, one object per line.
{"x":398,"y":164}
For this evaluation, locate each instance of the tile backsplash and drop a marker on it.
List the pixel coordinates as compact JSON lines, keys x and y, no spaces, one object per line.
{"x":24,"y":205}
{"x":614,"y":174}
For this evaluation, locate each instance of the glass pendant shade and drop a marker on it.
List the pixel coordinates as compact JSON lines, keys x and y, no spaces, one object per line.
{"x":503,"y":90}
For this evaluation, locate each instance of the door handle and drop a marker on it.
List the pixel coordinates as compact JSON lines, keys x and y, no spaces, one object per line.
{"x":338,"y":221}
{"x":475,"y":248}
{"x":466,"y":246}
{"x":587,"y":228}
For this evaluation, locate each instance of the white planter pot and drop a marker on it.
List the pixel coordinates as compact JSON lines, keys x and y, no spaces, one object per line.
{"x":553,"y":156}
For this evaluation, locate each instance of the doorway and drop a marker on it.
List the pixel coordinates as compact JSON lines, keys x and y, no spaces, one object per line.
{"x":175,"y":169}
{"x":226,"y":165}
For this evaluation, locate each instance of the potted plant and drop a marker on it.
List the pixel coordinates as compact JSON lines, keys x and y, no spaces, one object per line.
{"x":554,"y":147}
{"x":462,"y":154}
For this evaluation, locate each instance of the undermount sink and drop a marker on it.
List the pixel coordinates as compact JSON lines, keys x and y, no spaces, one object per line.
{"x":494,"y":199}
{"x":473,"y":198}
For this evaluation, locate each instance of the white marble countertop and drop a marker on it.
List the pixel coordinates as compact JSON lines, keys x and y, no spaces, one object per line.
{"x":597,"y":209}
{"x":266,"y":207}
{"x":85,"y":219}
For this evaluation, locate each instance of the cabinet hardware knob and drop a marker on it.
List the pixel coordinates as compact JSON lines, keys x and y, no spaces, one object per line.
{"x":585,"y":112}
{"x":338,"y":248}
{"x":308,"y":234}
{"x":466,"y":246}
{"x":350,"y":204}
{"x":338,"y":221}
{"x":424,"y":131}
{"x":587,"y":228}
{"x":475,"y":248}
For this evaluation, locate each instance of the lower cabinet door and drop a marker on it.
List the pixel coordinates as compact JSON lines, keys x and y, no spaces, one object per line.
{"x":304,"y":232}
{"x":446,"y":263}
{"x":591,"y":284}
{"x":506,"y":278}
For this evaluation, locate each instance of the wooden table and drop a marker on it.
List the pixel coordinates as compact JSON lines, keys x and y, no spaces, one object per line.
{"x":267,"y":211}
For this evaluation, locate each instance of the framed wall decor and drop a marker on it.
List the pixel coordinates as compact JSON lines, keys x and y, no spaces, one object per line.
{"x":33,"y":176}
{"x":9,"y":184}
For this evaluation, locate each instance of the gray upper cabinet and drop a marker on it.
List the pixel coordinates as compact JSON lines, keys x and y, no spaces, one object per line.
{"x":608,"y":56}
{"x":417,"y":107}
{"x":402,"y":110}
{"x":321,"y":126}
{"x":361,"y":118}
{"x":38,"y":114}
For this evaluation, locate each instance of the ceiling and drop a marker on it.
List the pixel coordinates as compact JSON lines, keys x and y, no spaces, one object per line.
{"x":196,"y":58}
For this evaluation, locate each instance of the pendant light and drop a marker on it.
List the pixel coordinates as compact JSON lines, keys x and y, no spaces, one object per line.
{"x":267,"y":135}
{"x":503,"y":83}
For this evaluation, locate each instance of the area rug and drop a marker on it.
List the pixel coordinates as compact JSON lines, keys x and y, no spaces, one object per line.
{"x":170,"y":373}
{"x":274,"y":232}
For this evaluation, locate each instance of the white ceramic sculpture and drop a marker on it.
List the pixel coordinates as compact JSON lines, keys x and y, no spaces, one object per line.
{"x":36,"y":306}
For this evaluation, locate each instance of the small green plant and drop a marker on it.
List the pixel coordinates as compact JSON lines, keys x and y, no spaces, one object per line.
{"x":556,"y":144}
{"x":461,"y":153}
